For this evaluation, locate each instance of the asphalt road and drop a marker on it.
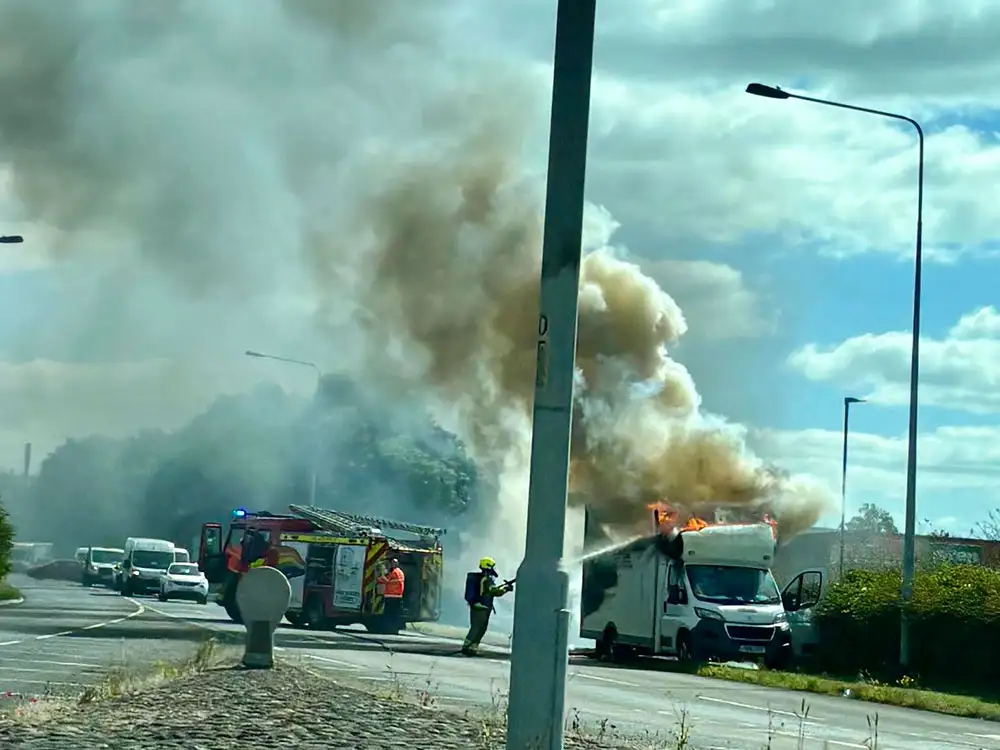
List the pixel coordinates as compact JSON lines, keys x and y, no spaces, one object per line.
{"x":64,"y":636}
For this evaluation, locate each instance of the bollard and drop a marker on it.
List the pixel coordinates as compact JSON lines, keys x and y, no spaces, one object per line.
{"x":262,"y":595}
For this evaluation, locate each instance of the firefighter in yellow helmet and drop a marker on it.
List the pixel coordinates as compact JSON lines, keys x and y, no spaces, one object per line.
{"x":480,"y":591}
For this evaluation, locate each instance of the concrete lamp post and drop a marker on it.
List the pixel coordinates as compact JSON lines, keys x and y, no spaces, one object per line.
{"x":909,"y":532}
{"x":539,"y":656}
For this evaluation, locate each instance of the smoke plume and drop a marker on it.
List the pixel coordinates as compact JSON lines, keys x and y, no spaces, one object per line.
{"x":312,"y":170}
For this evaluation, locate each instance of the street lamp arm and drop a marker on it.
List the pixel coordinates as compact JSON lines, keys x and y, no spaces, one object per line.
{"x":879,"y":112}
{"x":302,"y":362}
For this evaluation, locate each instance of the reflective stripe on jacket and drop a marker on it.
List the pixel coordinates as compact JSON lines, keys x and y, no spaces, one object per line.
{"x":487,"y":592}
{"x":392,"y":584}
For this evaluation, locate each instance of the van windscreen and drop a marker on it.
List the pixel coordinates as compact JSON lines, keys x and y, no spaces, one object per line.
{"x":726,"y":584}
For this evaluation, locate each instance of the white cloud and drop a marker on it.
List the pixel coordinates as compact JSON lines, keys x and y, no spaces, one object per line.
{"x":958,"y":469}
{"x":715,"y":298}
{"x":677,"y":145}
{"x":959,"y":371}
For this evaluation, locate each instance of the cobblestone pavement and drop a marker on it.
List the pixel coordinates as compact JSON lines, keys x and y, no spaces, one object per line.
{"x":227,"y":708}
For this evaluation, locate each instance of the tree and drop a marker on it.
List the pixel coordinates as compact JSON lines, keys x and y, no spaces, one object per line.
{"x":6,"y":542}
{"x":872,"y":519}
{"x":256,"y":450}
{"x":990,"y":528}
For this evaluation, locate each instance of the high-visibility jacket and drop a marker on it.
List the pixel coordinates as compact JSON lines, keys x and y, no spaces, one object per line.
{"x":392,"y":584}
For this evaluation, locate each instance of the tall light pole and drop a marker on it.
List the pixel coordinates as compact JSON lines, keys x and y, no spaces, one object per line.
{"x":909,"y":532}
{"x":540,"y":646}
{"x":314,"y":461}
{"x":848,"y":400}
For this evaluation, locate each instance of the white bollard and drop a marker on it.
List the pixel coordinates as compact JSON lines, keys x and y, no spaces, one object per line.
{"x":262,"y":595}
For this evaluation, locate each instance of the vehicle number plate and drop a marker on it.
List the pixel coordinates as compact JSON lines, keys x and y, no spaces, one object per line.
{"x":751,"y":649}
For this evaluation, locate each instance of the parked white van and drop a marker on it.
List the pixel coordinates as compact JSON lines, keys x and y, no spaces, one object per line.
{"x":144,"y":562}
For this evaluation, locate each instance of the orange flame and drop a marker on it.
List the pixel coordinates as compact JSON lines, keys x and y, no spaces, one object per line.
{"x":668,"y":519}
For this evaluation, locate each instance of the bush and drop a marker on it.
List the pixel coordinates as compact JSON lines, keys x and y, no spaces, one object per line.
{"x":954,"y":615}
{"x":6,"y":542}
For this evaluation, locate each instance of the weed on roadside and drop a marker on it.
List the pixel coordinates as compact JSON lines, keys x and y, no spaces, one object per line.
{"x":122,"y":681}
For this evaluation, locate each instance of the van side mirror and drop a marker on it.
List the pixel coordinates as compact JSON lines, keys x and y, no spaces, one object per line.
{"x":676,"y":595}
{"x":790,"y":601}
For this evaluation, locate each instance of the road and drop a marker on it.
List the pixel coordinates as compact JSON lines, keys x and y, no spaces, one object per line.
{"x":64,"y":638}
{"x":70,"y":634}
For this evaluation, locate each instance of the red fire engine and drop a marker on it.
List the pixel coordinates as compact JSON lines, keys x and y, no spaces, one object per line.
{"x":332,"y":561}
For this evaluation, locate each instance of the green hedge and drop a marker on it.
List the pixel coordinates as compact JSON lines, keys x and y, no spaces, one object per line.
{"x":954,"y":615}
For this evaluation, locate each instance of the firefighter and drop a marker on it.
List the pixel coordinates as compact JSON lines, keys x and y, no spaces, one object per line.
{"x":480,"y":591}
{"x":392,"y":584}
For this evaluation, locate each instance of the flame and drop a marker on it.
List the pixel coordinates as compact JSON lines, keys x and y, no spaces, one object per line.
{"x":666,"y":519}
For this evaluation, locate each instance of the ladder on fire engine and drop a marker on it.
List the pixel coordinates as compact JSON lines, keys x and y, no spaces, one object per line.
{"x":348,"y":523}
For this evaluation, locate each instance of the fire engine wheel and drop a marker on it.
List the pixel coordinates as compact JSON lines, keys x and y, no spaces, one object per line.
{"x":312,"y":617}
{"x":233,"y":610}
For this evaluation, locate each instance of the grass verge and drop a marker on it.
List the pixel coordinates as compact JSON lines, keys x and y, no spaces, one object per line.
{"x":905,"y":693}
{"x":8,"y":593}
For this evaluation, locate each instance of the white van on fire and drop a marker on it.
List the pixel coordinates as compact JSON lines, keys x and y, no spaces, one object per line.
{"x":697,"y":594}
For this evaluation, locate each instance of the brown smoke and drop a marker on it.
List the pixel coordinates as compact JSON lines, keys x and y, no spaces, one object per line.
{"x":454,"y":259}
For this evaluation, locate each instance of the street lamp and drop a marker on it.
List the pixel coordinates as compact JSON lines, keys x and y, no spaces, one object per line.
{"x":540,"y":645}
{"x":11,"y":239}
{"x":848,"y":400}
{"x":319,"y":380}
{"x":909,"y":532}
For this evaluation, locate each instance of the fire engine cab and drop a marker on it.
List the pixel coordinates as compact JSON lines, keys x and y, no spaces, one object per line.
{"x":332,"y":561}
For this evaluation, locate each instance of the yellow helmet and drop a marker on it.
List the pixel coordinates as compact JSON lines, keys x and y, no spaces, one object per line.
{"x":487,"y":563}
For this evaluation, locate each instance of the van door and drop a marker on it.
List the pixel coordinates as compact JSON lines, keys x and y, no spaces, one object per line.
{"x":800,"y":598}
{"x":675,"y":599}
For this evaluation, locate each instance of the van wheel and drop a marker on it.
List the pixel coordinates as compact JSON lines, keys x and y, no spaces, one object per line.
{"x":685,"y":656}
{"x":607,"y":647}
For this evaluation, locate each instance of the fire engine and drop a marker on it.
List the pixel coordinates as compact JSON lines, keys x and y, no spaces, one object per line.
{"x":332,"y":561}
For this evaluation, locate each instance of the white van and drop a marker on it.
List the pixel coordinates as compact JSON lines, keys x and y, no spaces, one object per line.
{"x":144,"y":562}
{"x":697,"y":595}
{"x":181,"y":555}
{"x":99,"y":565}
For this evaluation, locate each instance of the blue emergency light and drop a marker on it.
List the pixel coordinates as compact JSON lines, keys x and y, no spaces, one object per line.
{"x":240,"y":513}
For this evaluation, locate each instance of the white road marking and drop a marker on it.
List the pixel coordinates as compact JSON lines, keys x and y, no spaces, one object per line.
{"x":586,"y":676}
{"x":28,"y":669}
{"x":7,"y":659}
{"x":327,"y":660}
{"x":765,"y":709}
{"x":50,"y":682}
{"x":56,"y":635}
{"x":140,"y":609}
